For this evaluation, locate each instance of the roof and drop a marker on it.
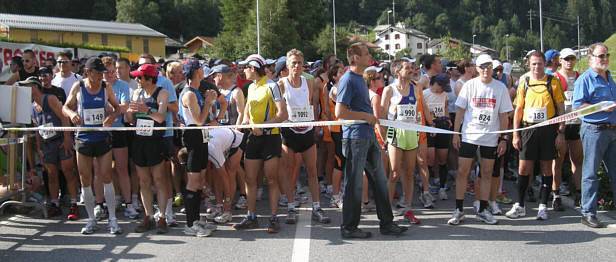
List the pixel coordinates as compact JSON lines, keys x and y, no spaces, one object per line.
{"x":380,"y":29}
{"x":170,"y":42}
{"x":48,"y":23}
{"x":206,"y":39}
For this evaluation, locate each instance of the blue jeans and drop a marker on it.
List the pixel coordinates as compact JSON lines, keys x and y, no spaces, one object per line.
{"x":599,"y":145}
{"x":364,"y":155}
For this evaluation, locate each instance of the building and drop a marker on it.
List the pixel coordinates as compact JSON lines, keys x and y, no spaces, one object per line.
{"x":394,"y":38}
{"x":438,"y":46}
{"x":135,"y":37}
{"x":195,"y":44}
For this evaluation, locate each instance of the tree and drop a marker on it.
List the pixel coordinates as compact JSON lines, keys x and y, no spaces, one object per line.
{"x":404,"y":52}
{"x":137,"y":11}
{"x":324,"y":43}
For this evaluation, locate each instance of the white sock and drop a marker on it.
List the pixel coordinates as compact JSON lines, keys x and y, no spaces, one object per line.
{"x":168,"y":209}
{"x":316,"y":205}
{"x":110,"y":199}
{"x":88,"y":201}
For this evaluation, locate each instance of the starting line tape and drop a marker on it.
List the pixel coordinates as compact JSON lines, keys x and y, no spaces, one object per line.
{"x":395,"y":124}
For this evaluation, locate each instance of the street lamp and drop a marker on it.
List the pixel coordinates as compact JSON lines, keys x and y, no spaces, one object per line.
{"x":334,"y":13}
{"x":388,"y":28}
{"x":473,"y":46}
{"x":507,"y":43}
{"x":258,"y":31}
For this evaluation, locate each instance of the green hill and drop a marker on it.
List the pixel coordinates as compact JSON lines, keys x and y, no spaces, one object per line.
{"x":582,"y":65}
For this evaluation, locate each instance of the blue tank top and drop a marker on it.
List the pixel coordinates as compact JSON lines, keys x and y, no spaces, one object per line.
{"x":92,"y":111}
{"x":46,"y":118}
{"x":503,"y":80}
{"x":182,"y":110}
{"x":146,"y":120}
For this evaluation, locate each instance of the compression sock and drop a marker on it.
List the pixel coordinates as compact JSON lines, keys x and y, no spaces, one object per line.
{"x":522,"y":186}
{"x":110,"y":199}
{"x":88,"y":200}
{"x":546,"y":187}
{"x":189,"y":202}
{"x":460,"y":204}
{"x":483,"y":204}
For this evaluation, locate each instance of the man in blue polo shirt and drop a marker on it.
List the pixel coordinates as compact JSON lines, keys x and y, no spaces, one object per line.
{"x":598,"y":131}
{"x":361,"y":149}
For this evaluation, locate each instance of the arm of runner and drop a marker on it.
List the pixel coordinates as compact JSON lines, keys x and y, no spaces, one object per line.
{"x":384,"y":104}
{"x":517,"y":118}
{"x":223,"y":107}
{"x":163,"y":105}
{"x":130,"y":113}
{"x":13,"y":79}
{"x":457,"y":126}
{"x":238,"y":97}
{"x":71,"y":102}
{"x":503,"y":118}
{"x":115,"y":106}
{"x":325,"y":105}
{"x":376,"y":108}
{"x":457,"y":88}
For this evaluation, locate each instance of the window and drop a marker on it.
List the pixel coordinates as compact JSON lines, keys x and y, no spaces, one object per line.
{"x":104,"y":39}
{"x":397,"y":46}
{"x":146,"y":48}
{"x":33,"y":35}
{"x":419,"y":46}
{"x":386,"y":47}
{"x":84,"y":38}
{"x":129,"y":43}
{"x":397,"y":36}
{"x":386,"y":37}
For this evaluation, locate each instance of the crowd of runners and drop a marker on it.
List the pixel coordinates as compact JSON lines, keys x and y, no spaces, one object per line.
{"x":153,"y":174}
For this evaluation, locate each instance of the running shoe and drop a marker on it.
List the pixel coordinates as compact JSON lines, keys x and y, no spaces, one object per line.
{"x":206,"y":224}
{"x":335,"y":202}
{"x":516,"y":211}
{"x":162,"y":226}
{"x":470,"y":189}
{"x":319,"y":216}
{"x":557,"y":204}
{"x":476,"y":205}
{"x":456,"y":218}
{"x":53,"y":211}
{"x":542,"y":213}
{"x":137,"y":204}
{"x":147,"y":225}
{"x":113,"y":226}
{"x":495,"y":209}
{"x":89,"y":228}
{"x":442,"y":194}
{"x":100,"y":213}
{"x":225,"y":217}
{"x":322,"y":186}
{"x":564,"y":190}
{"x":178,"y":200}
{"x":283,"y":201}
{"x":503,"y":198}
{"x":171,"y":222}
{"x":130,"y":212}
{"x":274,"y":226}
{"x":214,"y":212}
{"x":433,"y":189}
{"x":301,"y":199}
{"x":241,"y":203}
{"x":73,"y":212}
{"x":291,"y":216}
{"x":425,"y":199}
{"x":486,"y":217}
{"x":411,"y":217}
{"x":299,"y":189}
{"x":247,"y":223}
{"x":197,"y":230}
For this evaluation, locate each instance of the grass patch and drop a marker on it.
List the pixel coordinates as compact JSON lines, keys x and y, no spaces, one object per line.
{"x":582,"y":65}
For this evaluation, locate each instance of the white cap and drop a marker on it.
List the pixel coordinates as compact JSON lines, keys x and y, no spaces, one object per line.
{"x":507,"y":67}
{"x":254,"y":60}
{"x":566,"y":52}
{"x":377,"y":69}
{"x":496,"y":63}
{"x":482,"y":59}
{"x":270,"y":61}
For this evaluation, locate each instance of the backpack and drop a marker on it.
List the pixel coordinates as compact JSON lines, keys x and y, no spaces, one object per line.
{"x":548,"y":86}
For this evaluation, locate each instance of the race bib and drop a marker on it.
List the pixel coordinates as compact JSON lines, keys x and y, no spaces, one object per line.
{"x":206,"y":135}
{"x":93,"y":116}
{"x":437,"y":110}
{"x":47,"y":134}
{"x":302,"y":114}
{"x":568,"y":98}
{"x":482,"y":117}
{"x":145,"y":123}
{"x":225,"y":118}
{"x":536,"y":114}
{"x":407,"y":113}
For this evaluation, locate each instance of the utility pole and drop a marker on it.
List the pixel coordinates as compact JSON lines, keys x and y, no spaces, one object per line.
{"x":389,"y":28}
{"x":393,"y":9}
{"x":530,"y":17}
{"x":258,"y":31}
{"x":334,"y":9}
{"x":541,"y":25}
{"x":507,"y":41}
{"x":578,"y":31}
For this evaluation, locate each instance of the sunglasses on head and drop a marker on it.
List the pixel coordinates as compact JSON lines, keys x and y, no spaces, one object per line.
{"x":602,"y":56}
{"x":486,"y":66}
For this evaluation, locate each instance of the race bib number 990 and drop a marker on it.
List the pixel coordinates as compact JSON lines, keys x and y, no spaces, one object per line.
{"x":302,"y":114}
{"x":93,"y":116}
{"x":536,"y":114}
{"x":407,"y":113}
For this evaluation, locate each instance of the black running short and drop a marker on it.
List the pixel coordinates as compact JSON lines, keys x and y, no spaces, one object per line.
{"x":93,"y":149}
{"x":468,"y":150}
{"x":539,"y":143}
{"x":297,"y":142}
{"x":263,"y":147}
{"x":119,"y":139}
{"x":197,"y":150}
{"x":572,"y":132}
{"x":148,"y":151}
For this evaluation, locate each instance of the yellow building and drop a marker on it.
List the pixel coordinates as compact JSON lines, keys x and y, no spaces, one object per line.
{"x":137,"y":38}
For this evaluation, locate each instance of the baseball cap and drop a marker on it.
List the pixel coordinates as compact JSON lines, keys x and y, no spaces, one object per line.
{"x":317,"y":63}
{"x":95,"y":63}
{"x":566,"y":52}
{"x":482,"y":59}
{"x":377,"y":69}
{"x":31,"y":80}
{"x":496,"y":63}
{"x":45,"y":70}
{"x":190,"y":66}
{"x":280,"y":65}
{"x":551,"y":54}
{"x":254,"y":60}
{"x":222,"y":68}
{"x":443,"y":80}
{"x":206,"y":71}
{"x":145,"y":70}
{"x":270,"y":61}
{"x":530,"y":52}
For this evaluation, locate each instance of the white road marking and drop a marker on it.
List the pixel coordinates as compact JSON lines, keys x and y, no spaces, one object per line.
{"x":301,"y":244}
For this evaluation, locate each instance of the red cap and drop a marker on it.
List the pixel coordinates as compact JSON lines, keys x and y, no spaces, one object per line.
{"x":145,"y":70}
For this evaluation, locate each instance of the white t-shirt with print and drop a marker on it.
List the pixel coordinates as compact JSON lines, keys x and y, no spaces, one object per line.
{"x":482,"y":104}
{"x":436,"y":103}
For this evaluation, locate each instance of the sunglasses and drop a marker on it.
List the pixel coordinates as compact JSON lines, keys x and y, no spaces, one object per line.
{"x":27,"y":60}
{"x":486,"y":66}
{"x":498,"y":70}
{"x":63,"y":61}
{"x":602,"y":56}
{"x":569,"y":58}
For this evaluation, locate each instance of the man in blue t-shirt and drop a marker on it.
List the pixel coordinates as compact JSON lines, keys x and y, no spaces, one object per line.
{"x":361,"y":149}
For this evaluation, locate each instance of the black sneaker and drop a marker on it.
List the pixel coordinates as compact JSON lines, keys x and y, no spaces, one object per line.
{"x":557,"y":204}
{"x":357,"y":233}
{"x":274,"y":226}
{"x":392,"y":229}
{"x":247,"y":223}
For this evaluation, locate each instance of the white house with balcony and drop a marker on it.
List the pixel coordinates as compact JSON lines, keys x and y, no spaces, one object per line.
{"x":392,"y":39}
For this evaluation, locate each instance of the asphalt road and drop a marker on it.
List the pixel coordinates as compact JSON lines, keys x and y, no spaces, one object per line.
{"x":561,"y":238}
